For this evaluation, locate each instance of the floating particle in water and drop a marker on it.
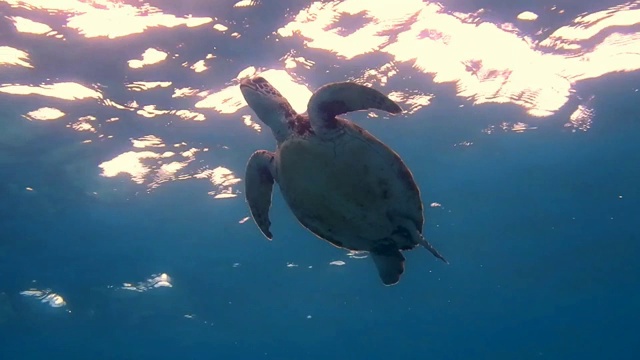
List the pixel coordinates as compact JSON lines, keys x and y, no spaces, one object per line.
{"x":517,"y":127}
{"x":162,"y":280}
{"x":354,"y":254}
{"x":582,"y":117}
{"x":46,"y":296}
{"x":155,"y":281}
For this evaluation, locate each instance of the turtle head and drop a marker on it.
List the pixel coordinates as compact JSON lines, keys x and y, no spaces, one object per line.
{"x":270,"y":106}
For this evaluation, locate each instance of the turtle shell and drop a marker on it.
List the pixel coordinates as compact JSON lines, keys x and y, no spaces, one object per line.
{"x":348,"y":189}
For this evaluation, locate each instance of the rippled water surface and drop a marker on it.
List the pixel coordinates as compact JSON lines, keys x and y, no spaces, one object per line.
{"x":124,"y":136}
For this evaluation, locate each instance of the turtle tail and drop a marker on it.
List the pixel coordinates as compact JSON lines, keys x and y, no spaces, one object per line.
{"x":422,"y":241}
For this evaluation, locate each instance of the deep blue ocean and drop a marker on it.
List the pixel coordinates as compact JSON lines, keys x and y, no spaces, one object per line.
{"x":125,"y":234}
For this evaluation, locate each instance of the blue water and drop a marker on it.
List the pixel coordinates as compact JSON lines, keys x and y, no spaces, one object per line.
{"x":540,"y":226}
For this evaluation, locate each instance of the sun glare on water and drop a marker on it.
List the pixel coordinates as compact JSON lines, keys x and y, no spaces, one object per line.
{"x":485,"y":61}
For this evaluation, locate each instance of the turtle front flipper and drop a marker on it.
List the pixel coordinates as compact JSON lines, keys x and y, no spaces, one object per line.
{"x":390,"y":263}
{"x":258,"y":188}
{"x":343,"y":97}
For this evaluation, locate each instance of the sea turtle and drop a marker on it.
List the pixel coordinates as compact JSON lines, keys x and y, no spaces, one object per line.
{"x":340,"y":182}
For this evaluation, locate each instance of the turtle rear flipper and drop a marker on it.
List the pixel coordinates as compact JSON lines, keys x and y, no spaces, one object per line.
{"x":258,"y":188}
{"x":390,"y":263}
